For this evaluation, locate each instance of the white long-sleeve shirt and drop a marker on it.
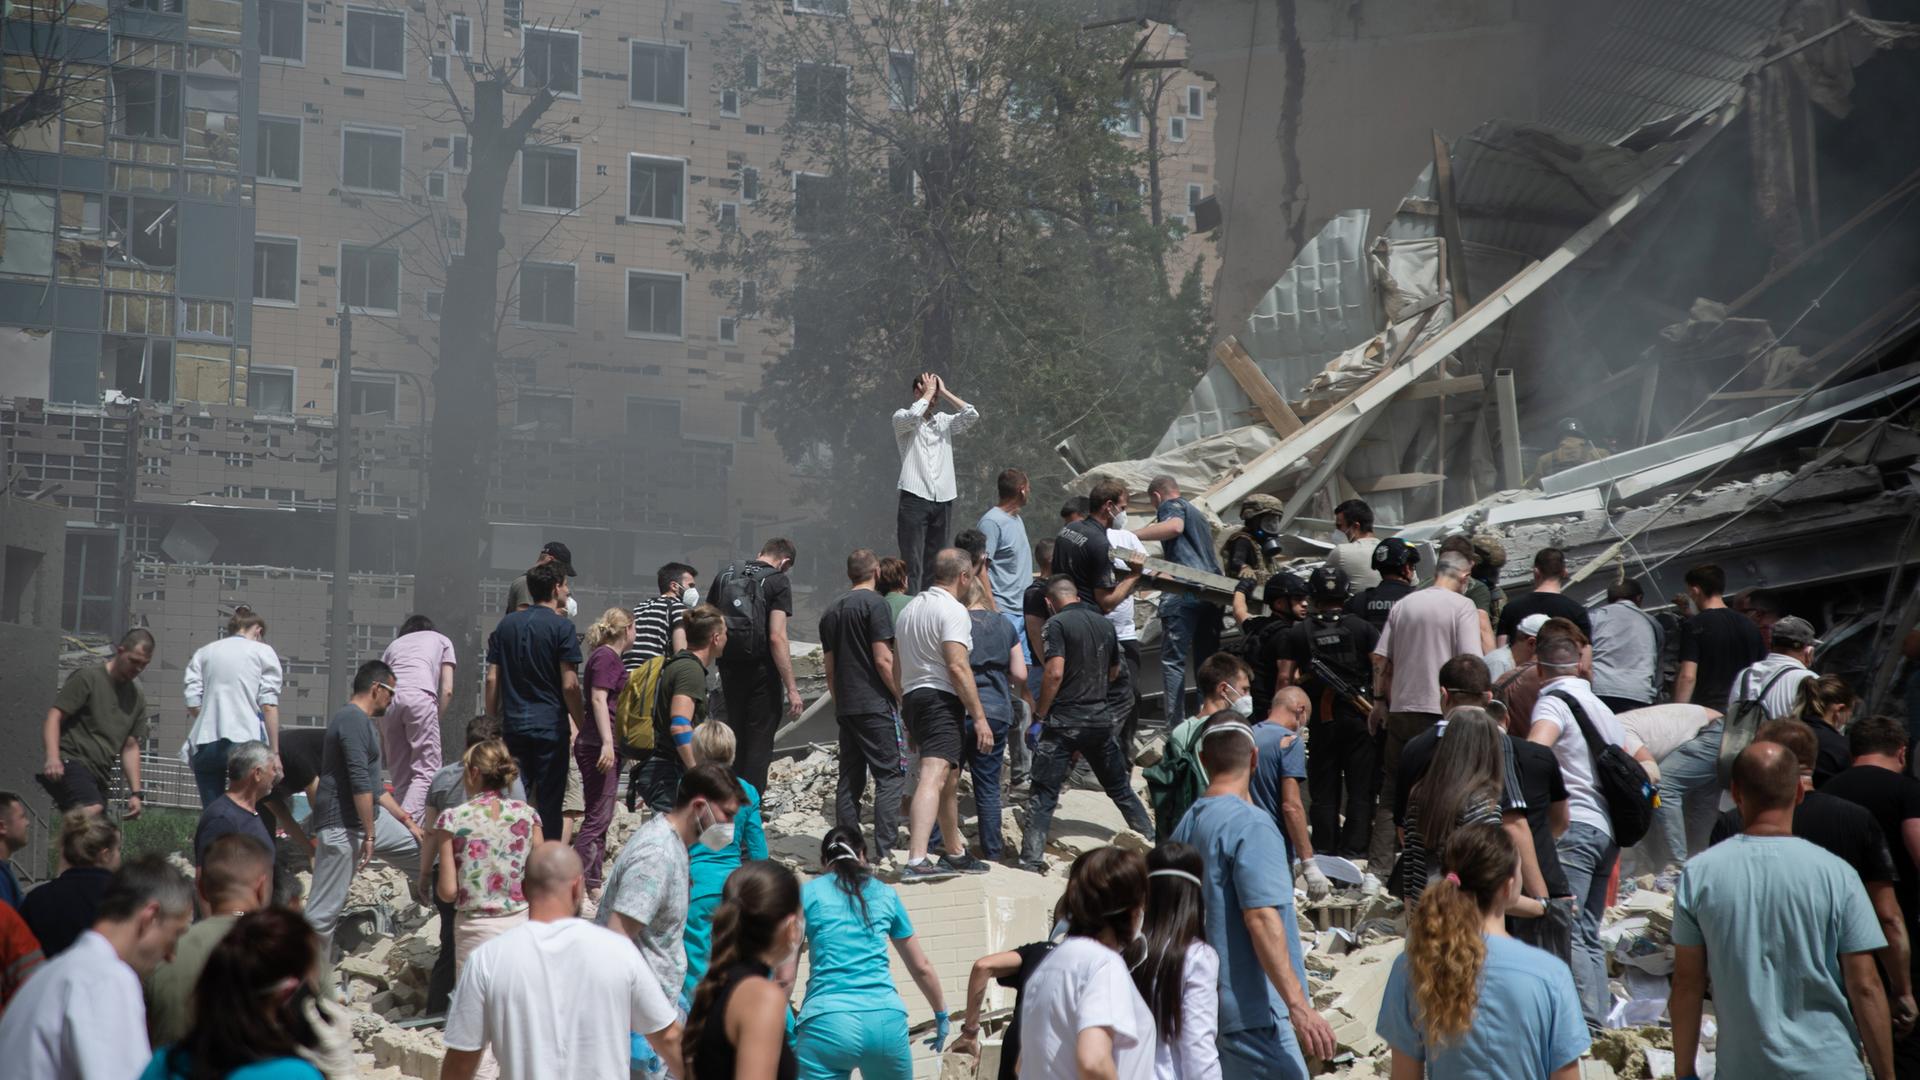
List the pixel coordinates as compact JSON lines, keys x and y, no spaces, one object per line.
{"x":80,"y":1017}
{"x":1194,"y":1055}
{"x":230,"y":681}
{"x":926,"y":448}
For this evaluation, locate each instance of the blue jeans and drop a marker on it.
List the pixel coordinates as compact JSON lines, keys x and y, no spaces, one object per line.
{"x":1262,"y":1053}
{"x":210,"y":769}
{"x":1053,"y":760}
{"x":543,"y":771}
{"x":830,"y":1046}
{"x":1189,"y":627}
{"x":1689,"y":794}
{"x":1587,"y":856}
{"x":986,"y":770}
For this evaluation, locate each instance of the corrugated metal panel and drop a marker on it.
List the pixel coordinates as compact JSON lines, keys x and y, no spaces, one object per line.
{"x":1662,"y":58}
{"x":1322,"y":306}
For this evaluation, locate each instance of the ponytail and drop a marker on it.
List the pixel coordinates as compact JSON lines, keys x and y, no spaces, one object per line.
{"x":757,"y":898}
{"x":1446,"y":950}
{"x":840,"y":853}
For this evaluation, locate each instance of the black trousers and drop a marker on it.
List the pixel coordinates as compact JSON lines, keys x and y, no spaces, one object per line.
{"x":922,"y":528}
{"x":755,"y":704}
{"x":1343,"y":771}
{"x":1051,"y":761}
{"x":440,"y":982}
{"x":870,"y":745}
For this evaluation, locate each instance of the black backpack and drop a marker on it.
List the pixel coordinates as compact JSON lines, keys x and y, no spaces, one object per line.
{"x":1631,"y":797}
{"x":739,"y":593}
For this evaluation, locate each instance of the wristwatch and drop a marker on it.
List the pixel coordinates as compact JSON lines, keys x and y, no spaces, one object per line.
{"x":141,"y":795}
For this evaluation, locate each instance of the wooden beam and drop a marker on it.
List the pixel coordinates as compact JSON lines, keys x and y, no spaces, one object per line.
{"x":1463,"y":384}
{"x":1399,"y":482}
{"x":1273,"y":408}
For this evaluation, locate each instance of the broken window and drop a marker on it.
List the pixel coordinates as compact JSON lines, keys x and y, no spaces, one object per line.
{"x":546,"y":294}
{"x":146,"y":104}
{"x":653,"y":303}
{"x":207,"y":319}
{"x":270,"y":390}
{"x":370,"y":279}
{"x":656,"y":188}
{"x":376,"y":41}
{"x":145,"y":231}
{"x":551,"y":58}
{"x":79,"y":250}
{"x":26,"y":231}
{"x":657,"y":75}
{"x":276,"y":270}
{"x":139,"y":313}
{"x":216,"y":20}
{"x":816,"y":202}
{"x":278,"y":146}
{"x":213,"y":122}
{"x":547,"y":414}
{"x":1125,"y":120}
{"x":371,"y":161}
{"x":548,"y":178}
{"x":203,"y":373}
{"x":283,"y":30}
{"x":371,"y":394}
{"x":819,"y":93}
{"x":658,"y":417}
{"x":900,"y":75}
{"x":137,"y":367}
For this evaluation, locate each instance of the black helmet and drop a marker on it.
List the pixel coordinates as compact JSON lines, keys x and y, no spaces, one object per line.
{"x":1394,"y":553}
{"x":1569,"y":426}
{"x":1328,"y":583}
{"x":1284,"y":586}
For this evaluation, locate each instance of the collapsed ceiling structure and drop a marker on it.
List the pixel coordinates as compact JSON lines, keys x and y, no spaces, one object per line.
{"x":1705,"y":254}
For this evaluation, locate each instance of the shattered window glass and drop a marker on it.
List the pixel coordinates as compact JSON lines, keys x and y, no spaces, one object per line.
{"x":213,"y":122}
{"x":139,"y":313}
{"x":270,"y":390}
{"x":146,"y":104}
{"x":145,"y":231}
{"x":206,"y":318}
{"x":216,"y":20}
{"x":26,"y":231}
{"x":79,"y":250}
{"x":138,"y":368}
{"x":550,"y":415}
{"x":203,"y":373}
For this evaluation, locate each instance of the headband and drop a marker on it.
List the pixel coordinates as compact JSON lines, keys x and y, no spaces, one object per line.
{"x":1217,"y":729}
{"x":846,"y":853}
{"x":1178,"y":874}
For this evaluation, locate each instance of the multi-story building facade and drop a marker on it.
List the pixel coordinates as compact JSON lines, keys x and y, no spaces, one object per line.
{"x":229,"y":178}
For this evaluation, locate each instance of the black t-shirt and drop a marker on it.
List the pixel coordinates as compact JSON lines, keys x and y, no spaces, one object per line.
{"x":1892,"y":798}
{"x":1089,"y":644}
{"x":1552,"y":605}
{"x":848,"y":631}
{"x":1344,"y":643}
{"x":1263,"y":650}
{"x":1082,"y":553}
{"x":1722,"y":642}
{"x":1374,"y":604}
{"x":776,"y":594}
{"x":1030,"y":957}
{"x":1841,"y":827}
{"x":64,"y":908}
{"x":1535,"y":771}
{"x":300,"y":750}
{"x":1034,"y":601}
{"x":1835,"y":757}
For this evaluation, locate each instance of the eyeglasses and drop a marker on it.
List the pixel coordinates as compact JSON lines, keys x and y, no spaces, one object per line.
{"x":384,"y":686}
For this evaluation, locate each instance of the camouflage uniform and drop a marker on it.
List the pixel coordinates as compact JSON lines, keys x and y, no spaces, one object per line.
{"x":1258,"y":568}
{"x":1573,"y":450}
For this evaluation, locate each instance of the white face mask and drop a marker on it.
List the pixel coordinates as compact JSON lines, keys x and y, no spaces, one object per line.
{"x":717,"y":836}
{"x":690,"y":596}
{"x":1243,"y":705}
{"x":1120,"y":519}
{"x":573,"y":607}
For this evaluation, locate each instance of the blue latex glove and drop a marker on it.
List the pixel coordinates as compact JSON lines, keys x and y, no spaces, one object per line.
{"x":941,"y":1027}
{"x":1033,"y":734}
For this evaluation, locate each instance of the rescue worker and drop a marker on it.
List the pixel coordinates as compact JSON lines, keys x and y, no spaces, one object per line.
{"x":1574,"y":449}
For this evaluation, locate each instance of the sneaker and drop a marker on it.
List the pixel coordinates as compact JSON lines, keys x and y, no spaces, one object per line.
{"x":1037,"y":866}
{"x":963,"y":863}
{"x":924,"y":871}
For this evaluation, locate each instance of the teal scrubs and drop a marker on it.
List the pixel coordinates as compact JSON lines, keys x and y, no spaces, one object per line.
{"x":708,"y":870}
{"x":287,"y":1068}
{"x":852,"y":1017}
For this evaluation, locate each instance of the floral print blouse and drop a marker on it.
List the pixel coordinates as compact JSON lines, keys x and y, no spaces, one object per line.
{"x":492,"y":837}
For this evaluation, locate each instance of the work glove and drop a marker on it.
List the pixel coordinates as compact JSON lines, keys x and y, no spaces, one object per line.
{"x":1033,"y":734}
{"x":941,"y":1027}
{"x":1318,"y":887}
{"x":332,"y":1051}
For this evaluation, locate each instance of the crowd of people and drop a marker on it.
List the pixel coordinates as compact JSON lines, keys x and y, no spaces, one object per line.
{"x":1485,"y":760}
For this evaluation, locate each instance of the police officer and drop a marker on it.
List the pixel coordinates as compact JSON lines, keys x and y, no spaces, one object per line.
{"x":1286,"y":600}
{"x":1343,"y":770}
{"x":1395,"y":560}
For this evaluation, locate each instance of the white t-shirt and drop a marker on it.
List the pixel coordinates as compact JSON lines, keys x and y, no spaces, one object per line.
{"x":1122,"y":614}
{"x":1195,"y":1056}
{"x":1584,"y":801}
{"x":557,"y":999}
{"x":81,"y":1016}
{"x":1784,"y":693}
{"x":1083,"y":984}
{"x":929,"y":619}
{"x":1356,"y":558}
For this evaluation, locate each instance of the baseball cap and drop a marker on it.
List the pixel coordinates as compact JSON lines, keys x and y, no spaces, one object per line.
{"x":1394,"y":553}
{"x":1532,"y":624}
{"x":1794,"y":631}
{"x":1328,"y":583}
{"x":560,"y":555}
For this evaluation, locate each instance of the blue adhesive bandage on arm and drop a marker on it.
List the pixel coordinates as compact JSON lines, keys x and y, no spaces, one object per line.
{"x":682,"y":731}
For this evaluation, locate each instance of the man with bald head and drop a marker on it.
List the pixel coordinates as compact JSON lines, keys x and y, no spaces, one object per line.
{"x":557,"y":995}
{"x":1787,"y":934}
{"x":1276,"y":783}
{"x":235,"y":878}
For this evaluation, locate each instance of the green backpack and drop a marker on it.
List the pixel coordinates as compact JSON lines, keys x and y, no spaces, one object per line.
{"x":1177,"y":780}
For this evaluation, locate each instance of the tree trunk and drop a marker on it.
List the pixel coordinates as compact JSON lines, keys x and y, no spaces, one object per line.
{"x":453,"y":524}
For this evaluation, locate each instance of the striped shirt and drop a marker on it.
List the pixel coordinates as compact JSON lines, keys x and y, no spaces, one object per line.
{"x":1414,"y":856}
{"x":1780,"y":696}
{"x":653,"y":624}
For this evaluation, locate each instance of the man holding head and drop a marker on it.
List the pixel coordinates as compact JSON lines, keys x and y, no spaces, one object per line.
{"x":935,"y":638}
{"x":235,"y":878}
{"x":1787,"y":934}
{"x":927,"y":488}
{"x":81,"y":1015}
{"x":557,"y":995}
{"x":237,"y":810}
{"x":99,"y":716}
{"x":1266,"y":1017}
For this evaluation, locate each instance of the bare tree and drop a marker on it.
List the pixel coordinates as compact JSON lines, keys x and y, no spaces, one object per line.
{"x":53,"y":61}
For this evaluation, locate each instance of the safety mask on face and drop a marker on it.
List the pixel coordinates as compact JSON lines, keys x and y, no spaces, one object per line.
{"x":1120,"y":519}
{"x":1243,"y":705}
{"x":1059,"y":931}
{"x":690,"y":596}
{"x":573,"y":607}
{"x":717,"y":836}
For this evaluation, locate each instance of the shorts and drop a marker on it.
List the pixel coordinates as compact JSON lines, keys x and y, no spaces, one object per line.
{"x":78,"y":787}
{"x":576,"y":798}
{"x":936,"y":721}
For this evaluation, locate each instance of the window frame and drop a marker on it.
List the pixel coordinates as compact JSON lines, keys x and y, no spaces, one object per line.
{"x":300,"y":11}
{"x":578,"y":52}
{"x":685,"y":179}
{"x":364,"y":377}
{"x":721,"y":215}
{"x":798,"y":174}
{"x":573,"y":314}
{"x":679,"y":411}
{"x":281,"y":240}
{"x":720,"y":329}
{"x":340,"y":280}
{"x":346,"y":39}
{"x":821,"y":7}
{"x":1195,"y":194}
{"x":426,"y":303}
{"x":749,"y":172}
{"x":1196,"y":93}
{"x":626,"y":293}
{"x":299,"y":145}
{"x":913,"y":80}
{"x":117,"y":109}
{"x":543,"y":151}
{"x":455,"y":154}
{"x":293,"y":386}
{"x":400,"y":178}
{"x":749,"y":424}
{"x":733,"y":112}
{"x":526,"y":392}
{"x":455,"y":24}
{"x":846,"y":91}
{"x":1178,"y":135}
{"x":440,"y":175}
{"x":686,"y":52}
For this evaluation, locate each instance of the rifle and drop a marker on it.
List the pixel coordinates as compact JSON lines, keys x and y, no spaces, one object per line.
{"x":1340,"y":685}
